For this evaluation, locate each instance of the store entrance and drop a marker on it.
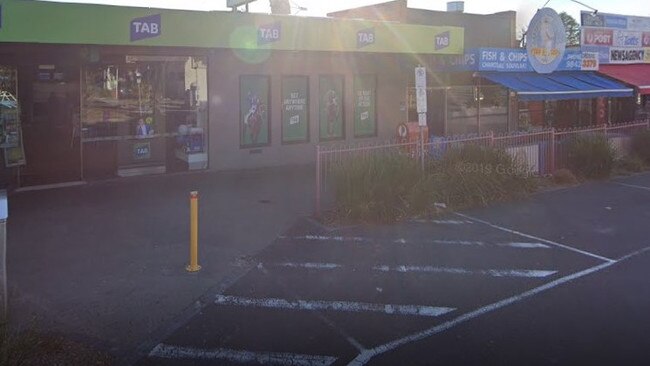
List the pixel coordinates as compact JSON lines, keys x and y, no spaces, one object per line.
{"x":50,"y":111}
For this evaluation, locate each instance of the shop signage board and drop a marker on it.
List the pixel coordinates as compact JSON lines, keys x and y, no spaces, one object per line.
{"x":69,"y":23}
{"x":365,"y":116}
{"x":146,"y":27}
{"x":510,"y":60}
{"x":330,"y":107}
{"x":295,"y":109}
{"x":617,"y":39}
{"x":254,"y":111}
{"x":545,"y":41}
{"x":142,"y":150}
{"x":421,"y":89}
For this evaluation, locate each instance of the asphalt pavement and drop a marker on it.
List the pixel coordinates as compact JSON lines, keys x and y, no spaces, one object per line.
{"x":559,"y":279}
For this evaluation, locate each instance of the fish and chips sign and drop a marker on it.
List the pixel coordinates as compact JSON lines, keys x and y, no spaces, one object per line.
{"x":546,"y":41}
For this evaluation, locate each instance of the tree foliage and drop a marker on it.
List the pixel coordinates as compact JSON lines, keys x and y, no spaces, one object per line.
{"x":572,"y":30}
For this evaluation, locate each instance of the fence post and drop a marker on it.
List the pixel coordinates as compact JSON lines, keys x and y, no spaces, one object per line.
{"x":552,"y":152}
{"x":491,"y":138}
{"x":318,"y":178}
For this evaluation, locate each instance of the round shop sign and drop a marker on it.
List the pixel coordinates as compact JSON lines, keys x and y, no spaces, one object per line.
{"x":545,"y":41}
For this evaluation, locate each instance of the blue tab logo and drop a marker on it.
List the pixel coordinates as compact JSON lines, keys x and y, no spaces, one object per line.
{"x":443,"y":40}
{"x":269,"y":33}
{"x":365,"y":37}
{"x":146,"y":27}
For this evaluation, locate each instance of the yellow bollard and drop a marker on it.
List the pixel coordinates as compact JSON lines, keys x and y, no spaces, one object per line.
{"x":194,"y":233}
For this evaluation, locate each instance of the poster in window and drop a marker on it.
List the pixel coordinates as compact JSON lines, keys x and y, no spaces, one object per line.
{"x":330,"y":107}
{"x":254,"y":111}
{"x":365,"y":118}
{"x":295,"y":109}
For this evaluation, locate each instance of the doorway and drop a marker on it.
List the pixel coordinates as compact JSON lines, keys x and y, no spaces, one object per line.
{"x":50,"y":115}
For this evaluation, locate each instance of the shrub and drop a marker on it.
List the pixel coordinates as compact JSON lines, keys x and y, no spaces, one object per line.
{"x":591,"y":156}
{"x":631,"y":163}
{"x":476,"y":176}
{"x":379,"y":188}
{"x":641,"y":145}
{"x":564,"y":177}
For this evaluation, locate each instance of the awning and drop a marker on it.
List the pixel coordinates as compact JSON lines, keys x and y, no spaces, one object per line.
{"x":635,"y":75}
{"x":559,"y":85}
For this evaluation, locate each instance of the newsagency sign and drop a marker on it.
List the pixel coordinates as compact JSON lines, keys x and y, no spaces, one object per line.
{"x":616,"y":39}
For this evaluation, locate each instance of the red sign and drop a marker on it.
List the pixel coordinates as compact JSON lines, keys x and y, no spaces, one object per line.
{"x":597,"y":36}
{"x":646,"y":39}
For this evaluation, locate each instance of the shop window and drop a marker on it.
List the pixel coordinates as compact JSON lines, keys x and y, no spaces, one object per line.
{"x":148,"y":112}
{"x":494,"y":109}
{"x":462,"y":111}
{"x":536,"y":114}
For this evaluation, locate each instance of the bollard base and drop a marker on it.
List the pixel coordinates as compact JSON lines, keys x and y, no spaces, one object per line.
{"x":191,"y":268}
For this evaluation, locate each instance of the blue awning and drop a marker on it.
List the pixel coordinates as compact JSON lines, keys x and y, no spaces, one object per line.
{"x":559,"y":85}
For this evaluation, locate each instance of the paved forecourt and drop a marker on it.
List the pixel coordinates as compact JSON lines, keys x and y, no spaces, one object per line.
{"x":357,"y":295}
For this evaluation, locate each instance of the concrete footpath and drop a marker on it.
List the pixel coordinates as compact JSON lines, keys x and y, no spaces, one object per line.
{"x":104,"y":263}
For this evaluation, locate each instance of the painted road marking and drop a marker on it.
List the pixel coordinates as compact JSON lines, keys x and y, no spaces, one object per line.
{"x":346,"y":306}
{"x":489,"y":272}
{"x":224,"y":354}
{"x":537,"y":238}
{"x":356,"y":239}
{"x":365,"y":356}
{"x":633,"y":186}
{"x":525,"y":245}
{"x":341,"y":239}
{"x":443,"y":222}
{"x":530,"y":273}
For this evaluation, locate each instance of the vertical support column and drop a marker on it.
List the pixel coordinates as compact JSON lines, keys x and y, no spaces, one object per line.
{"x":194,"y":233}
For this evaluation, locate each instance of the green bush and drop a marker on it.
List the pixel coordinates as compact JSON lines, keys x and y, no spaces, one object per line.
{"x":629,"y":164}
{"x":564,"y":177}
{"x":476,"y":176}
{"x":387,"y":188}
{"x":641,"y":145}
{"x":379,"y":188}
{"x":591,"y":157}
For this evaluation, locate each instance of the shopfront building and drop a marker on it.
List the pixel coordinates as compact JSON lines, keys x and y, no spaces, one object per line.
{"x":622,"y":44}
{"x":106,"y":91}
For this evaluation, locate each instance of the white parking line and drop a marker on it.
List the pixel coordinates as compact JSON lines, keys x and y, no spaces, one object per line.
{"x":537,"y":238}
{"x":224,"y":354}
{"x":328,"y":238}
{"x":530,"y":273}
{"x":365,"y":356}
{"x":443,"y":222}
{"x":346,"y":306}
{"x":525,"y":245}
{"x":633,"y":186}
{"x":489,"y":272}
{"x":356,"y":239}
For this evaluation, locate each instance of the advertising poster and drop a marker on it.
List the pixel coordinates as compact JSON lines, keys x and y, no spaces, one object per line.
{"x":618,"y":39}
{"x":365,"y":116}
{"x":295,"y":109}
{"x":330,"y":107}
{"x":254,"y":110}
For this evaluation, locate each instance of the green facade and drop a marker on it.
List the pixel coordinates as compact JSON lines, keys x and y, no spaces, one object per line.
{"x":89,"y":24}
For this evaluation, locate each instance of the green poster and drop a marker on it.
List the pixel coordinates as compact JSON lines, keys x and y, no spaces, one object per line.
{"x":365,"y":90}
{"x":253,"y":109}
{"x":295,"y":109}
{"x":330,"y":107}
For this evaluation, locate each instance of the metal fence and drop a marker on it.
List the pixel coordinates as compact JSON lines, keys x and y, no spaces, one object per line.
{"x":541,"y":152}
